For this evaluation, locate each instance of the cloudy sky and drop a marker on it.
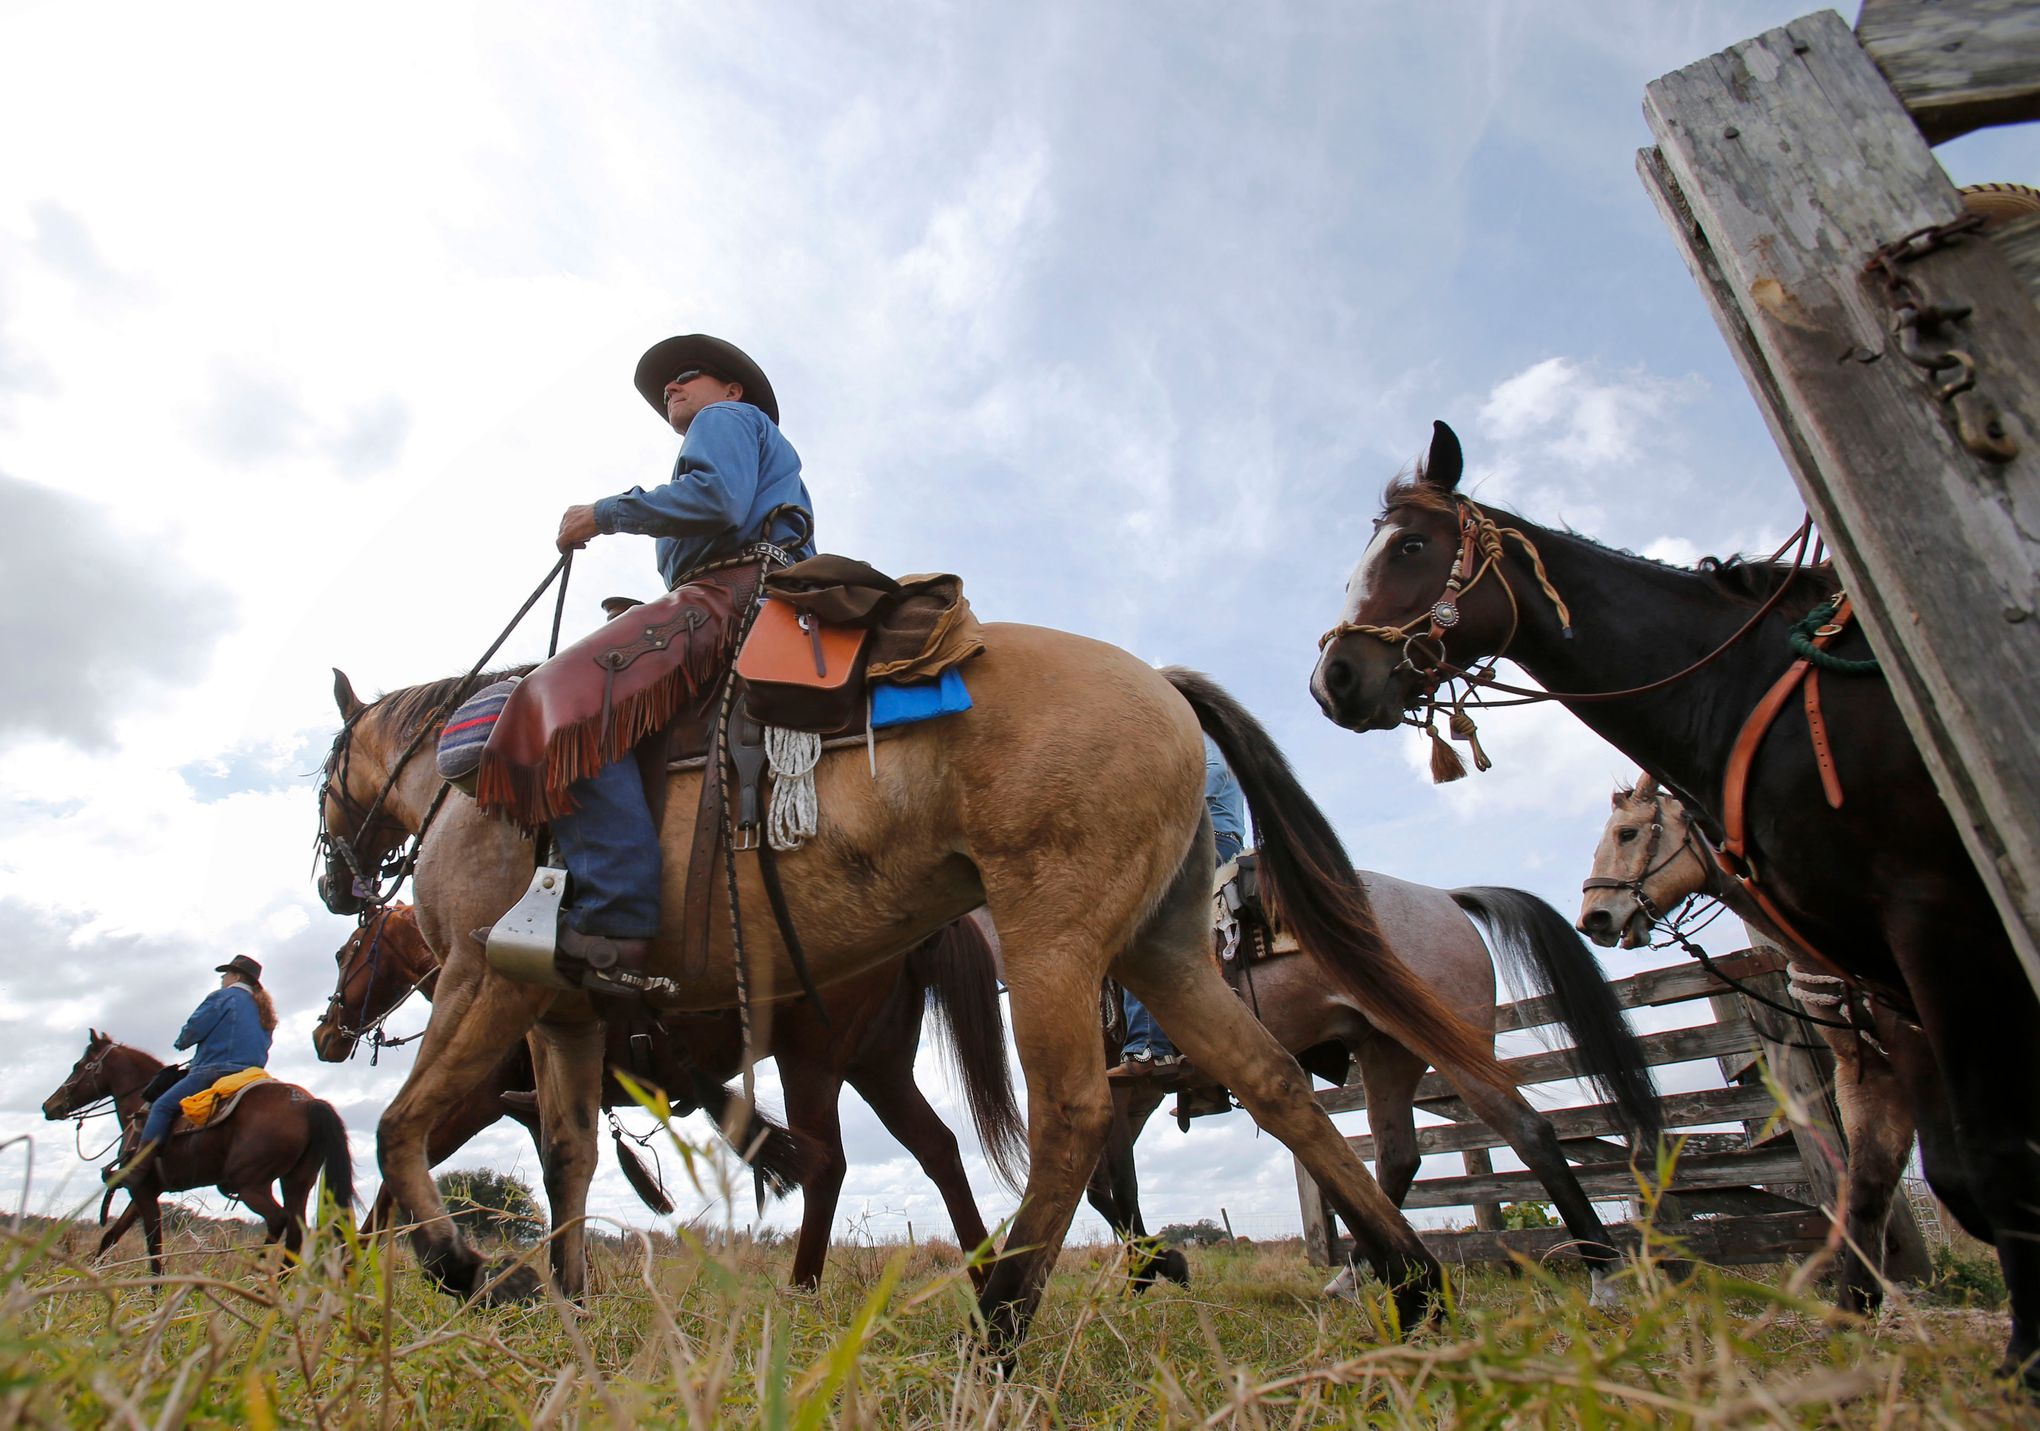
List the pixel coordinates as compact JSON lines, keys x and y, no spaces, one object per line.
{"x":311,"y":324}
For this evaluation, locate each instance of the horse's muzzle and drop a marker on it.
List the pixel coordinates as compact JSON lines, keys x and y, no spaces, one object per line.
{"x":338,"y":894}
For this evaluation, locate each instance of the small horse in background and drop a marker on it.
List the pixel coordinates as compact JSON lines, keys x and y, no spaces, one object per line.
{"x":277,"y":1133}
{"x":1434,"y":933}
{"x":867,"y":1033}
{"x":1649,"y":860}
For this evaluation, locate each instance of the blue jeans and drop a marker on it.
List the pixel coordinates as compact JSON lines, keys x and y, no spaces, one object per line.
{"x":163,"y":1112}
{"x":612,"y":851}
{"x":1143,"y":1034}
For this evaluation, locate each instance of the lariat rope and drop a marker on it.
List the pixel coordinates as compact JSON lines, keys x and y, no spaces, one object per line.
{"x":795,"y":815}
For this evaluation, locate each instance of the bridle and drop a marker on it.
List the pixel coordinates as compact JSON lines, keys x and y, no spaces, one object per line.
{"x":1480,"y":552}
{"x":99,"y":1107}
{"x":376,"y":883}
{"x":1636,"y":885}
{"x":373,"y":1029}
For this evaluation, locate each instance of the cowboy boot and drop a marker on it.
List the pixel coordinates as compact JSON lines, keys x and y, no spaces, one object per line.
{"x":613,"y":967}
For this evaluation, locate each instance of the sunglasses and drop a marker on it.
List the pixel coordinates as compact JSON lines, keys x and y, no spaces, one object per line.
{"x":689,"y":376}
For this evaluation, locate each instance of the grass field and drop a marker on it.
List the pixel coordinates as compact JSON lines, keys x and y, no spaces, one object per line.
{"x":679,"y":1334}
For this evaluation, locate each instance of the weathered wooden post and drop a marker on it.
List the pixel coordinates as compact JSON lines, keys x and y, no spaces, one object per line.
{"x":1782,"y":166}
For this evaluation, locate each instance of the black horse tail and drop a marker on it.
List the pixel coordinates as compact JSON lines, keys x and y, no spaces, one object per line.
{"x":1313,"y":890}
{"x":957,"y":968}
{"x":1541,"y":954}
{"x":336,"y":1159}
{"x":781,"y":1158}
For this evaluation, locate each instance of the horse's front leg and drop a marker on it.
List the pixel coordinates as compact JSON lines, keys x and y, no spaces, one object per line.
{"x":476,"y":1018}
{"x":567,"y":1059}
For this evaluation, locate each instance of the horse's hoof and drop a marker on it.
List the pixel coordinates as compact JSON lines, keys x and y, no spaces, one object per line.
{"x":496,"y":1287}
{"x":1606,"y":1294}
{"x":1346,"y":1284}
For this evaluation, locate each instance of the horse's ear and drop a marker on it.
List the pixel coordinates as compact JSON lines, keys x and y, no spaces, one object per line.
{"x":1646,"y":787}
{"x":344,"y":697}
{"x":1446,"y":463}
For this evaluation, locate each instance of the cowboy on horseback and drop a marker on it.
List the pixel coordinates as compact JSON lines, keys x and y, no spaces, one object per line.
{"x":232,"y":1029}
{"x":736,"y":484}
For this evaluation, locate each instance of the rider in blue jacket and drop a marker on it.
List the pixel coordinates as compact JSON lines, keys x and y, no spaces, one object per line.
{"x":229,"y":1032}
{"x":737,"y":483}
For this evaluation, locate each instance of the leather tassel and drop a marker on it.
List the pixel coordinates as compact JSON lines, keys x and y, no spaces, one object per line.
{"x":641,"y":1179}
{"x":1446,"y":766}
{"x":1464,"y":729}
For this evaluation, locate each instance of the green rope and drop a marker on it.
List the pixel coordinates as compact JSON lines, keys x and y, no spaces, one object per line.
{"x":1802,"y":642}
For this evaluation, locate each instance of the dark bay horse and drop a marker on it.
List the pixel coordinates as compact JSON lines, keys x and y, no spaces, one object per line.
{"x":866,"y":1034}
{"x":1882,"y":884}
{"x":1069,"y":801}
{"x":278,"y":1133}
{"x":1433,"y":932}
{"x":1649,"y":860}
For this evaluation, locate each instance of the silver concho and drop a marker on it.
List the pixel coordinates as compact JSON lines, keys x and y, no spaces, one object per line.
{"x":1445,"y":613}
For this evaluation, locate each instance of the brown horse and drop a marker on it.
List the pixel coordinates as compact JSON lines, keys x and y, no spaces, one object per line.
{"x":385,"y":960}
{"x":278,"y":1132}
{"x":1667,"y":664}
{"x":1648,"y":861}
{"x":1433,"y":932}
{"x":1070,"y":802}
{"x":867,"y":1033}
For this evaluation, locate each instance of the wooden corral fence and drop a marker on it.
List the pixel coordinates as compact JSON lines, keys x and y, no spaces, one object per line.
{"x":1782,"y":166}
{"x":1736,"y":1197}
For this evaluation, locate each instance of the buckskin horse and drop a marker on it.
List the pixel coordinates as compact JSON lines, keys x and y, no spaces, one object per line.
{"x":1648,"y":861}
{"x":867,"y":1033}
{"x":1070,"y":802}
{"x":1433,"y":932}
{"x":1667,"y":664}
{"x":277,"y":1133}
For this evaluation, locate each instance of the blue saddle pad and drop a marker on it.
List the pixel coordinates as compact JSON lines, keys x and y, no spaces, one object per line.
{"x":903,"y":705}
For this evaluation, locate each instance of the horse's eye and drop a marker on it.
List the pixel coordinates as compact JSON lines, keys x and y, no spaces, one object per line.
{"x":1629,"y":834}
{"x":1409,"y":546}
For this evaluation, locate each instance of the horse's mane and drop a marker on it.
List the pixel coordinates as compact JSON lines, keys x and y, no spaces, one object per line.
{"x":407,"y":709}
{"x":1741,"y":579}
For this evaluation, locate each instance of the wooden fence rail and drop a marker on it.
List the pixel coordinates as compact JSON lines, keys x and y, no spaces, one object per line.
{"x":1759,"y":1193}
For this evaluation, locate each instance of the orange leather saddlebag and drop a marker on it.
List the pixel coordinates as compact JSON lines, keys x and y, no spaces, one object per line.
{"x":801,"y":672}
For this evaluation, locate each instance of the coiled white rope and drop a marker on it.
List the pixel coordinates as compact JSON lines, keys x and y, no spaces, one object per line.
{"x":794,"y":815}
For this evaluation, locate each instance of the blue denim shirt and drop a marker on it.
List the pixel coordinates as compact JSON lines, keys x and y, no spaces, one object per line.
{"x":734,"y":468}
{"x":1223,"y":797}
{"x":227,"y":1030}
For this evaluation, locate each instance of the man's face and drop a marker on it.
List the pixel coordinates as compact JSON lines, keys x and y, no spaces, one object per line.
{"x":691,"y":391}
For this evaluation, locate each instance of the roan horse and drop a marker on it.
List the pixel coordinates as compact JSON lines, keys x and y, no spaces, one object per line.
{"x":1650,"y":860}
{"x":1881,"y":885}
{"x":1430,"y":931}
{"x":867,"y":1033}
{"x":277,"y":1132}
{"x":1070,"y":802}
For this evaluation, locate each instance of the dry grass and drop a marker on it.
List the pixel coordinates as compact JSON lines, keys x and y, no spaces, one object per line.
{"x":684,"y":1334}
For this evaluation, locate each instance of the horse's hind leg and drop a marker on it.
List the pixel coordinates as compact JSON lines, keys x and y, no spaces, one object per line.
{"x":1054,"y":995}
{"x":1391,"y":1074}
{"x":1170,"y":971}
{"x":476,"y":1018}
{"x":569,"y":1094}
{"x":277,"y":1225}
{"x":813,"y":1085}
{"x":899,"y":1103}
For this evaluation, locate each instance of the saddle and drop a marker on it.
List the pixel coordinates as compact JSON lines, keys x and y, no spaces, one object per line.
{"x":214,"y":1105}
{"x":695,"y":677}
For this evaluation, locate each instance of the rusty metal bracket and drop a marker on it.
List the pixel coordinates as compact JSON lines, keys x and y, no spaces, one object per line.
{"x":1923,"y":331}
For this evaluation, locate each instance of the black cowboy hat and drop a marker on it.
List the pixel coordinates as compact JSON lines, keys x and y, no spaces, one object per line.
{"x":244,"y":966}
{"x":697,"y":350}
